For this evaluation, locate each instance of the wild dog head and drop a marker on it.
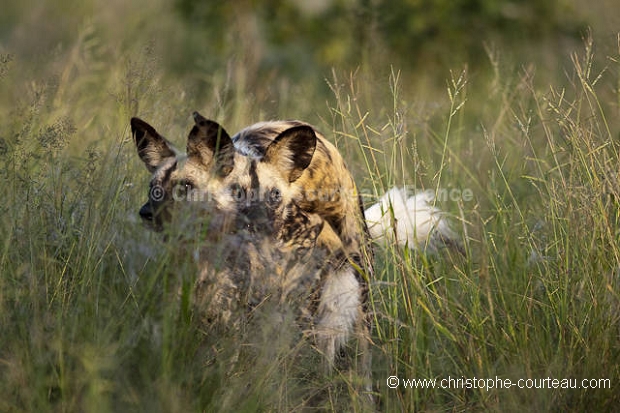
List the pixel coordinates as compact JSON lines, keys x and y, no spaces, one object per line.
{"x":199,"y":174}
{"x":212,"y":177}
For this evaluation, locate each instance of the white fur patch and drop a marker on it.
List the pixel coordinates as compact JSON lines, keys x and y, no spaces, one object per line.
{"x":338,"y":310}
{"x":410,"y":221}
{"x":163,"y":168}
{"x":259,"y":134}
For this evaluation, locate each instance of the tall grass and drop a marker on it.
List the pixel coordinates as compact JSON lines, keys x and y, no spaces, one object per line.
{"x":95,"y":310}
{"x":536,"y":296}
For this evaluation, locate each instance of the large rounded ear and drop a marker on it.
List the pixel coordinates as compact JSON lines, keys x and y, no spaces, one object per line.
{"x":291,"y":151}
{"x":153,"y":148}
{"x":209,"y":143}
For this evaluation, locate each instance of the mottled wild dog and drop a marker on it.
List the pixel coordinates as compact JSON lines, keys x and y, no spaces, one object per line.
{"x":281,"y":210}
{"x":250,"y":204}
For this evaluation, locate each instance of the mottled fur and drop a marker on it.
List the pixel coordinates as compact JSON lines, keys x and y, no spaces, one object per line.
{"x":268,"y":236}
{"x":325,"y":187}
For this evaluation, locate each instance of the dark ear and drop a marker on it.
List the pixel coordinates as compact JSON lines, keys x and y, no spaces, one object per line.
{"x":209,"y":142}
{"x":153,"y":149}
{"x":292,"y":151}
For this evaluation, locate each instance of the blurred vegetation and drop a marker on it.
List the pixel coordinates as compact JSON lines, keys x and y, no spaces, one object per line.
{"x":300,"y":37}
{"x":222,"y":55}
{"x":516,"y":101}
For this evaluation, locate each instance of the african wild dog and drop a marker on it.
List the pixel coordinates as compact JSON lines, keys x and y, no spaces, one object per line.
{"x":281,"y":210}
{"x":266,"y":235}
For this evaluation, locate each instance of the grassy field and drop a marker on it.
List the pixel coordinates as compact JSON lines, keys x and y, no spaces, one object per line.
{"x":89,"y":307}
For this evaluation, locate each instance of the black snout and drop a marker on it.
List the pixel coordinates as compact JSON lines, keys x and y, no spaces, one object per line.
{"x":152,"y":216}
{"x":146,"y":212}
{"x":255,"y":218}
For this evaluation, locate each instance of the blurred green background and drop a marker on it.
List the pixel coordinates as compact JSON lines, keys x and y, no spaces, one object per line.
{"x":271,"y":51}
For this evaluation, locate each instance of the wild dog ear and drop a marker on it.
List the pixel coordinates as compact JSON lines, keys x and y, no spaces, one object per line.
{"x":152,"y":147}
{"x":207,"y":141}
{"x":292,"y":151}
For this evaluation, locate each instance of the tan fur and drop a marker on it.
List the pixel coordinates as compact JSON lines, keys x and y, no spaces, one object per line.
{"x":283,"y":218}
{"x":326,"y":187}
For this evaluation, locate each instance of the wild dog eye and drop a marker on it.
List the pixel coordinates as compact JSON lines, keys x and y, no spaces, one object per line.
{"x":274,"y":197}
{"x":187,"y":184}
{"x":237,"y":192}
{"x":182,"y":190}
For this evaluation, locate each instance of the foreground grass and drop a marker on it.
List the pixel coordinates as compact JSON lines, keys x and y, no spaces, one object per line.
{"x":92,"y":319}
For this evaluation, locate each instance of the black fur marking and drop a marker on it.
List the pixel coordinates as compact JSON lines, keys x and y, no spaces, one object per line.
{"x":300,"y":141}
{"x":162,"y":178}
{"x":254,"y":181}
{"x":207,"y":134}
{"x":152,"y":147}
{"x":139,"y":135}
{"x":139,"y":128}
{"x":294,"y":226}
